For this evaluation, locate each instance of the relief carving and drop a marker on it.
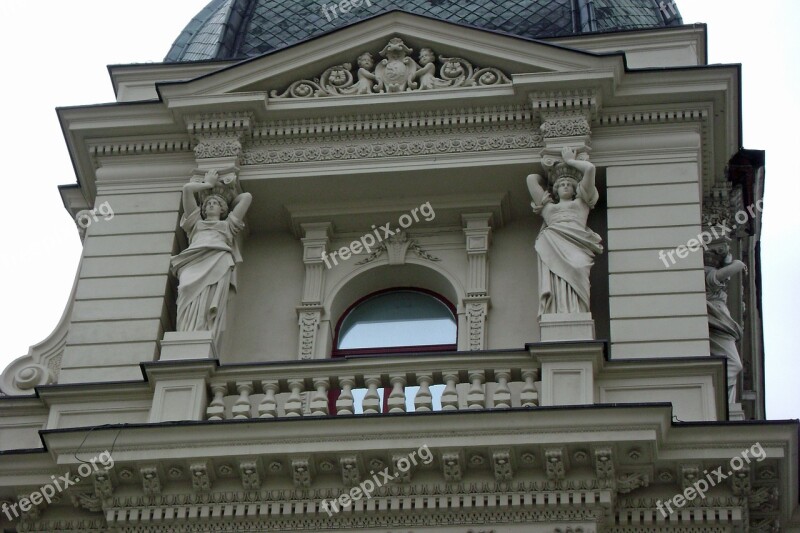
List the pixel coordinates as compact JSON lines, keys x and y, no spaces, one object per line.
{"x":397,"y":72}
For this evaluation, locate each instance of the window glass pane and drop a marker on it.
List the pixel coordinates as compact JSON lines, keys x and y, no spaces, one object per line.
{"x":399,"y":318}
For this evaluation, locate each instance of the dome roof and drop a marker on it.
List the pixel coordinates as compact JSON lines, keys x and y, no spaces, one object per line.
{"x":238,"y":29}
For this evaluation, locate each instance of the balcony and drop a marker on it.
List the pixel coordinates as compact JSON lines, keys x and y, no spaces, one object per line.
{"x":546,"y":374}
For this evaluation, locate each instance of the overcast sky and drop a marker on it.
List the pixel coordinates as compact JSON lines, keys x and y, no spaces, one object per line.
{"x":55,"y":54}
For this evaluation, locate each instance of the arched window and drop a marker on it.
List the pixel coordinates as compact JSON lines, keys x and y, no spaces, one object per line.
{"x":397,"y":320}
{"x":391,"y":321}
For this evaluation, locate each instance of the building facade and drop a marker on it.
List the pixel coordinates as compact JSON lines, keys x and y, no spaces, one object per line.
{"x":310,"y":298}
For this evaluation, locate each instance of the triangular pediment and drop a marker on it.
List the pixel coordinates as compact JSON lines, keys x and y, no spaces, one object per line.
{"x":456,"y":57}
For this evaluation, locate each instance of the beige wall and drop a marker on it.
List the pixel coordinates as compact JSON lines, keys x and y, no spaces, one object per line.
{"x":656,"y":311}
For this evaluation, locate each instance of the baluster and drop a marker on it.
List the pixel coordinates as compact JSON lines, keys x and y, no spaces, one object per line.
{"x":450,"y":393}
{"x":372,"y":401}
{"x":216,"y":409}
{"x":529,"y":397}
{"x":294,"y":404}
{"x":241,"y":408}
{"x":319,"y":401}
{"x":344,"y":404}
{"x":502,"y":394}
{"x":397,"y":399}
{"x":268,"y":408}
{"x":423,"y":401}
{"x":476,"y":398}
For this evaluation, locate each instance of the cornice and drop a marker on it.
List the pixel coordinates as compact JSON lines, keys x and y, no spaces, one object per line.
{"x":647,"y":39}
{"x":99,"y":392}
{"x":364,"y":125}
{"x":140,"y":146}
{"x":148,"y":74}
{"x":521,"y":426}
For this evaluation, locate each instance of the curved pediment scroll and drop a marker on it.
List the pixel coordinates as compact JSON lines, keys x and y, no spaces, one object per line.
{"x":397,"y":72}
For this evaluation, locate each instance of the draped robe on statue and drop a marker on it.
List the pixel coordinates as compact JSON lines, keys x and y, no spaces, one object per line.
{"x":723,"y":330}
{"x":566,"y":250}
{"x":206,"y":272}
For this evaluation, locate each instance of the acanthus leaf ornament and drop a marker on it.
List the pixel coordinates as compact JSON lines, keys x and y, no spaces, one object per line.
{"x":397,"y":247}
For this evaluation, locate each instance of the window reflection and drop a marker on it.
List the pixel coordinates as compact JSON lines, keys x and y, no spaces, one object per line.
{"x":396,"y":319}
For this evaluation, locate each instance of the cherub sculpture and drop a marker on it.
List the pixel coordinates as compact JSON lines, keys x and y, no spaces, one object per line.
{"x":366,"y":79}
{"x":427,"y":73}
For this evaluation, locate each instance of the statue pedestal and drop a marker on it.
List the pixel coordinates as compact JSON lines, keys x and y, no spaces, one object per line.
{"x":183,"y":345}
{"x":735,"y":411}
{"x":567,"y":327}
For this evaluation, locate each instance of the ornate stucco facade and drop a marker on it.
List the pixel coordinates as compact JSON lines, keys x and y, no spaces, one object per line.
{"x":583,"y":422}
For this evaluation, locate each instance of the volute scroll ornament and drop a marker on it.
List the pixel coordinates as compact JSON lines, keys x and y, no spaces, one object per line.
{"x":32,"y":376}
{"x":397,"y":72}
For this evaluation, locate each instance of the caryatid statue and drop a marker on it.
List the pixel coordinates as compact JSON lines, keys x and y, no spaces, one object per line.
{"x":565,"y":246}
{"x":723,"y":331}
{"x":206,"y":270}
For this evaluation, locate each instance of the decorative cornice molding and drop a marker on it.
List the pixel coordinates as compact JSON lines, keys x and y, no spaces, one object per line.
{"x":628,"y":118}
{"x":372,"y":521}
{"x":205,"y":125}
{"x":139,"y":147}
{"x":411,"y":146}
{"x":582,"y":100}
{"x":213,"y":148}
{"x":489,"y":118}
{"x":219,"y":135}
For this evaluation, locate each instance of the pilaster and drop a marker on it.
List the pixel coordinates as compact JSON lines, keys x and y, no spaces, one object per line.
{"x":478,"y":233}
{"x":315,"y":244}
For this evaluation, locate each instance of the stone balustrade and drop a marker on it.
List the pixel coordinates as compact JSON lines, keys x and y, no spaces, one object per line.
{"x":545,"y":374}
{"x":372,"y":385}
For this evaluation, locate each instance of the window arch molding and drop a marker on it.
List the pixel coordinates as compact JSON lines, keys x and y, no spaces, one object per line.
{"x":373,"y":278}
